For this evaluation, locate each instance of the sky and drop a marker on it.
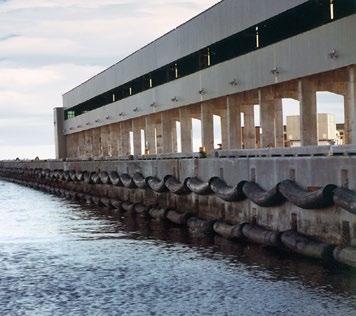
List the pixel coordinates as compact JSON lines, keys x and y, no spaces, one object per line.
{"x":47,"y":47}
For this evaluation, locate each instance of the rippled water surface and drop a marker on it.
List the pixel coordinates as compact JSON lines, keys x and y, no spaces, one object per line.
{"x":60,"y":258}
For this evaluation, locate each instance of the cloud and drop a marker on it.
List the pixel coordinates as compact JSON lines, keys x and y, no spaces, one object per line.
{"x":47,"y":47}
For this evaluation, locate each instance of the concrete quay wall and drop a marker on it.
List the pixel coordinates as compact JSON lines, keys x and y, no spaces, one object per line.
{"x":332,"y":224}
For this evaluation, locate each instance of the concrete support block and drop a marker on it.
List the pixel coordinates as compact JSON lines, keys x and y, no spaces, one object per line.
{"x":231,"y":128}
{"x":279,"y":123}
{"x":105,"y":141}
{"x":59,"y":137}
{"x":207,"y":126}
{"x":308,"y":113}
{"x":249,"y":134}
{"x":271,"y":110}
{"x":350,"y":107}
{"x":138,"y":124}
{"x":125,"y":129}
{"x":114,"y":138}
{"x":96,"y":142}
{"x":169,"y":130}
{"x":150,"y":131}
{"x":185,"y":119}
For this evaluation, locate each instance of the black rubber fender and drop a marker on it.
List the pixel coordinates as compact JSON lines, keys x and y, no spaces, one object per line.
{"x":346,"y":199}
{"x":321,"y":198}
{"x":104,"y":177}
{"x":306,"y":246}
{"x":115,"y":179}
{"x":225,"y":192}
{"x":262,"y":235}
{"x":157,"y":185}
{"x":127,"y":181}
{"x":199,"y":187}
{"x":177,"y":187}
{"x":261,"y":197}
{"x":139,"y":180}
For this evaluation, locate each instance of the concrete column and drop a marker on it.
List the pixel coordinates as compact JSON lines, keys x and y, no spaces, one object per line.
{"x":267,"y":118}
{"x":350,"y":107}
{"x":249,"y":135}
{"x":88,"y":144}
{"x":81,"y":145}
{"x":231,"y":127}
{"x":96,"y":139}
{"x":169,"y":128}
{"x":138,"y":124}
{"x":125,"y":128}
{"x":279,"y":123}
{"x":308,"y":113}
{"x":207,"y":126}
{"x":105,"y":141}
{"x":150,"y":126}
{"x":185,"y":119}
{"x":114,"y":139}
{"x":59,"y":137}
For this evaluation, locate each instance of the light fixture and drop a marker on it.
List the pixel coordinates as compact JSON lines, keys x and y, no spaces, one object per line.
{"x":97,"y":121}
{"x":234,"y":82}
{"x":153,"y":105}
{"x":79,"y":126}
{"x":275,"y":71}
{"x":88,"y":124}
{"x":122,"y":114}
{"x":174,"y":99}
{"x":333,"y":54}
{"x":135,"y":109}
{"x":108,"y":117}
{"x":71,"y":129}
{"x":202,"y":91}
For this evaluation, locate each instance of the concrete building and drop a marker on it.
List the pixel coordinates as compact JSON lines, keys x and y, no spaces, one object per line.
{"x":235,"y":55}
{"x":326,"y":127}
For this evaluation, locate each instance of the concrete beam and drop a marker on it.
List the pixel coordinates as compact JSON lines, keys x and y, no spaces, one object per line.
{"x":308,"y":113}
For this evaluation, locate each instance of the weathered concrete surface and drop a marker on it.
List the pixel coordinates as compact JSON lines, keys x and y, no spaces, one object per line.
{"x":311,"y":173}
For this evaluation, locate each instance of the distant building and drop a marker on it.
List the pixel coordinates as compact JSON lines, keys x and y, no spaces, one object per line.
{"x":327,"y":131}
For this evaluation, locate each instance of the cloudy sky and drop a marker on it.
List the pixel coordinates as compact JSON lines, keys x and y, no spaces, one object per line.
{"x":49,"y":46}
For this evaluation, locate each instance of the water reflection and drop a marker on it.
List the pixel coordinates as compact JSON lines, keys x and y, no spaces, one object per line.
{"x":58,"y":257}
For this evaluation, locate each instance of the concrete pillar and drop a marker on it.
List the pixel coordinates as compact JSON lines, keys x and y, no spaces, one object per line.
{"x":231,"y":126}
{"x":125,"y":128}
{"x":267,"y":115}
{"x":308,"y":113}
{"x":96,"y":141}
{"x":249,"y":135}
{"x":150,"y":126}
{"x":59,"y":137}
{"x":138,"y":124}
{"x":169,"y":129}
{"x":207,"y":126}
{"x":81,"y":145}
{"x":350,"y":107}
{"x":114,"y":139}
{"x":185,"y":119}
{"x":279,"y":123}
{"x":104,"y":141}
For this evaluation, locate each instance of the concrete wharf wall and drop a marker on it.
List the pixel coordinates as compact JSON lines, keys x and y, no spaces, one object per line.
{"x":328,"y":165}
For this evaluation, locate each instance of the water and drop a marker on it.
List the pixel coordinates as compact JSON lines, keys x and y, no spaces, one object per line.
{"x":59,"y":258}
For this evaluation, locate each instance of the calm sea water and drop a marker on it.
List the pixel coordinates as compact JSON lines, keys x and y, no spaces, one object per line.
{"x":60,"y":258}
